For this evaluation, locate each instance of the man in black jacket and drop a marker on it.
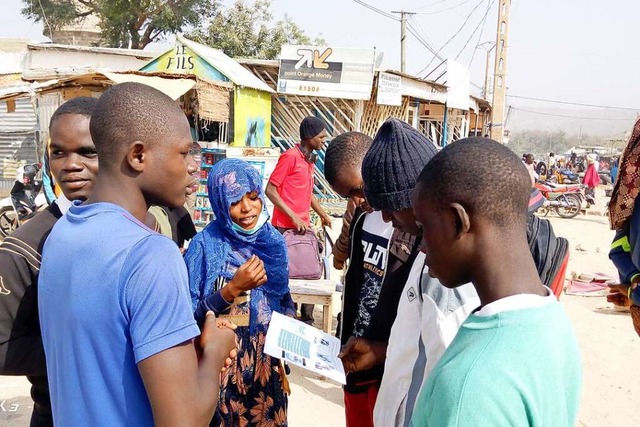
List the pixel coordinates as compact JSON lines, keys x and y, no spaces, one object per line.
{"x":74,"y":165}
{"x":380,"y":258}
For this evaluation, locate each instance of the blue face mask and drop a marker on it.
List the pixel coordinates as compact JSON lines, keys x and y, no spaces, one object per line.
{"x":262,"y":219}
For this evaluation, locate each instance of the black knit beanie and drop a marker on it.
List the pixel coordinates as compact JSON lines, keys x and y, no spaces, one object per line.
{"x":311,"y":126}
{"x":392,"y":165}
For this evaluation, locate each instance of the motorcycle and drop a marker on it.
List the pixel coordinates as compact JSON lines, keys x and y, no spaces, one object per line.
{"x":24,"y":201}
{"x":565,"y":200}
{"x":567,"y":176}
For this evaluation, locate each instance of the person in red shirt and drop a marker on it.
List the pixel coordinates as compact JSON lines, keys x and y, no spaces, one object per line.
{"x":290,"y":187}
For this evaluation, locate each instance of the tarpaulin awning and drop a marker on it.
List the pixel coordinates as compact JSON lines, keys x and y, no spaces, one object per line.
{"x":174,"y":88}
{"x":170,"y":85}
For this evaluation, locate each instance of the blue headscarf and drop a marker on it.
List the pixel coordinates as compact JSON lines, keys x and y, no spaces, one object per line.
{"x":218,"y":250}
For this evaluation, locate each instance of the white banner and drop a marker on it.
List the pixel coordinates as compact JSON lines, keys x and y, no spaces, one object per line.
{"x":389,"y":89}
{"x":326,"y":71}
{"x":458,"y":84}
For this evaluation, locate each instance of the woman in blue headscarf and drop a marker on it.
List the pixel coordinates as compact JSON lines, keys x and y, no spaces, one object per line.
{"x":238,"y":268}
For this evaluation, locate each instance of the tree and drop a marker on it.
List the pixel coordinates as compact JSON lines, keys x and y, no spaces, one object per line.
{"x":124,"y":23}
{"x":246,"y":31}
{"x":539,"y":142}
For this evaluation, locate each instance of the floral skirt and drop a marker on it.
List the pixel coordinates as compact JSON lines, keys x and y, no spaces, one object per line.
{"x":251,"y":391}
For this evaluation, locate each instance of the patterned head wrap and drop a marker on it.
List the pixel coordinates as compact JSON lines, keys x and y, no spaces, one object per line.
{"x":627,"y":184}
{"x":219,"y":250}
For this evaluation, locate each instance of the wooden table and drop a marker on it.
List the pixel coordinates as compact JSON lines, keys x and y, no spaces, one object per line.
{"x":315,"y":292}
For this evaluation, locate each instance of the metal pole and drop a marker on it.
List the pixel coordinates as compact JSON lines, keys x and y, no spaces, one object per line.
{"x":403,"y":39}
{"x":403,"y":46}
{"x":445,"y":126}
{"x":485,"y":92}
{"x":500,"y":72}
{"x":485,"y":89}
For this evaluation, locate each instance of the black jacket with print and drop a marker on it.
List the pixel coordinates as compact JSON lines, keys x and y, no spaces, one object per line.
{"x":403,"y":249}
{"x":21,"y":349}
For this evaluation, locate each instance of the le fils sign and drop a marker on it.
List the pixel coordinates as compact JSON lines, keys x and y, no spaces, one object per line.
{"x":180,"y":60}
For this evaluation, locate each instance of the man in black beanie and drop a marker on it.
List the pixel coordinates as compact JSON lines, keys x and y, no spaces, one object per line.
{"x":290,"y":187}
{"x":428,"y":314}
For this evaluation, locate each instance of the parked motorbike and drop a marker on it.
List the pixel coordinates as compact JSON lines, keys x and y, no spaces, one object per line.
{"x":565,"y":200}
{"x":567,"y":176}
{"x":23,"y":201}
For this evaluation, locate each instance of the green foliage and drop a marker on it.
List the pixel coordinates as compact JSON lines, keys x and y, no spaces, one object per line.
{"x":124,"y":23}
{"x":247,"y":31}
{"x":539,"y":142}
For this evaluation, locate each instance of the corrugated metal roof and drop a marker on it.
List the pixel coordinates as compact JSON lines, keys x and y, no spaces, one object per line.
{"x":23,"y":119}
{"x":274,"y":63}
{"x":235,"y":72}
{"x":18,"y":132}
{"x":23,"y":88}
{"x":140,"y":54}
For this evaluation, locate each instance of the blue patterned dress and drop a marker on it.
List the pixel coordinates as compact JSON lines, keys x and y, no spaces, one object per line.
{"x":251,"y":392}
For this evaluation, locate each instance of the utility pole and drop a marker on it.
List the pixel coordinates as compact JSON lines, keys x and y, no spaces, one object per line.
{"x":485,"y":93}
{"x":485,"y":89}
{"x":403,"y":38}
{"x":500,"y":72}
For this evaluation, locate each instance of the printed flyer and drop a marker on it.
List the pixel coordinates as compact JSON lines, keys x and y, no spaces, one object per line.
{"x":305,"y":346}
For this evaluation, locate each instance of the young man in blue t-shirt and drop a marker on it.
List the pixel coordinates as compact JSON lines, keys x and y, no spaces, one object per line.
{"x":515,"y":360}
{"x":115,"y":313}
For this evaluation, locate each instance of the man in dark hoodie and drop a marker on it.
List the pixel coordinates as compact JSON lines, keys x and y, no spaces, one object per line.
{"x":73,"y":162}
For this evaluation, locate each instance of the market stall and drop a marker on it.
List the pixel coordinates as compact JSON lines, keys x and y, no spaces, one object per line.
{"x":203,"y":101}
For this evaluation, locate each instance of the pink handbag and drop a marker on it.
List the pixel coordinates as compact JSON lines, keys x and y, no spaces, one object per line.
{"x":304,"y":255}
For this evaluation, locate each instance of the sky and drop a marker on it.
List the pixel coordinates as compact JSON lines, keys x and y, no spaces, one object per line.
{"x":572,"y":50}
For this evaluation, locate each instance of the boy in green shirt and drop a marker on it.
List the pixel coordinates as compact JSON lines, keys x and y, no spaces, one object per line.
{"x":515,"y":360}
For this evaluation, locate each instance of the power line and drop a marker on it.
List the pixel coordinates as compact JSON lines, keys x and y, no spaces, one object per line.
{"x":484,"y":21}
{"x":444,"y":10}
{"x":420,"y":30}
{"x":454,"y":36}
{"x":46,"y":21}
{"x":420,"y":38}
{"x":410,"y":27}
{"x":574,"y":103}
{"x":443,"y":62}
{"x":570,"y":117}
{"x":598,"y":54}
{"x":415,"y":31}
{"x":375,"y":9}
{"x":432,"y":4}
{"x":484,"y":18}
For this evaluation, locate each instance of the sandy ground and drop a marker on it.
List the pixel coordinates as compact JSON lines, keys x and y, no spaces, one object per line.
{"x":610,"y":349}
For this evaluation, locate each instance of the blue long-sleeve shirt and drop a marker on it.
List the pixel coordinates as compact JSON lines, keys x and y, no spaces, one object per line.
{"x":625,"y":253}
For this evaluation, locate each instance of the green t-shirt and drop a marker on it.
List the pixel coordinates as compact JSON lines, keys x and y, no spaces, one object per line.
{"x":515,"y":368}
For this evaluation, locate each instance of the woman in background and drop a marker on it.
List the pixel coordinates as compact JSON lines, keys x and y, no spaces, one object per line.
{"x":591,"y":180}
